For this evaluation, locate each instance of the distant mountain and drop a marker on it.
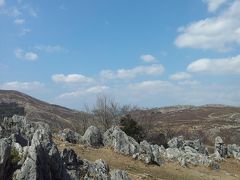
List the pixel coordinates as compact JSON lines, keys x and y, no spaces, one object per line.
{"x":36,"y":110}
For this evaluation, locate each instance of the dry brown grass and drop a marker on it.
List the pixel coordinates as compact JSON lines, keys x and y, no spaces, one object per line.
{"x":138,"y":170}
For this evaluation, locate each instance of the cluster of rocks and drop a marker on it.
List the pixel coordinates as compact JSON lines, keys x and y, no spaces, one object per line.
{"x":27,"y":151}
{"x":186,"y":152}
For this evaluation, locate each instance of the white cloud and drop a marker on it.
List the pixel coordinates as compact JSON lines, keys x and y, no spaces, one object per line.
{"x":213,"y":5}
{"x":22,"y":86}
{"x":2,"y":2}
{"x":152,"y":86}
{"x":219,"y":33}
{"x":21,"y":54}
{"x":154,"y":69}
{"x":50,"y":48}
{"x":188,"y":82}
{"x":19,"y":21}
{"x":180,"y":76}
{"x":12,"y":11}
{"x":71,"y":78}
{"x":24,"y":31}
{"x":148,"y":58}
{"x":31,"y":56}
{"x":225,"y":66}
{"x":83,"y":92}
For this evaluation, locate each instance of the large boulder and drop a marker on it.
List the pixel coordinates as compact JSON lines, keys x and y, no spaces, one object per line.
{"x":220,"y":149}
{"x":5,"y":150}
{"x":176,"y":142}
{"x":43,"y":160}
{"x":150,"y":153}
{"x":70,"y":136}
{"x":98,"y":170}
{"x":233,"y":151}
{"x":73,"y":164}
{"x":120,"y":141}
{"x":92,"y":137}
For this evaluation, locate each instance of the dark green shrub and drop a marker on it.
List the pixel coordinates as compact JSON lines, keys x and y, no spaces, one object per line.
{"x":15,"y":156}
{"x":131,"y":128}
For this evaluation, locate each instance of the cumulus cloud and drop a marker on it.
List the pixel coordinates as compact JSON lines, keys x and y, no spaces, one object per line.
{"x":19,"y":21}
{"x":224,"y":66}
{"x":148,"y":58}
{"x":22,"y":86}
{"x":51,"y":48}
{"x":154,"y":69}
{"x":83,"y":92}
{"x":219,"y":33}
{"x":213,"y":5}
{"x":21,"y":54}
{"x":180,"y":76}
{"x":71,"y":78}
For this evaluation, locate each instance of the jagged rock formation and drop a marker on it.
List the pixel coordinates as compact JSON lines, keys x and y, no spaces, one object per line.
{"x":220,"y":149}
{"x":27,"y":152}
{"x":150,"y":153}
{"x":70,"y":136}
{"x":186,"y":152}
{"x":120,"y":141}
{"x":93,"y":137}
{"x":233,"y":151}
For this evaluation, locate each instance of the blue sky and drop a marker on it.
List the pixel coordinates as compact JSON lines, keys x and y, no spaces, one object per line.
{"x":148,"y":53}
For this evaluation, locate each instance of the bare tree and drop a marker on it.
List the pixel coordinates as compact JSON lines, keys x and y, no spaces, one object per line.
{"x":107,"y":111}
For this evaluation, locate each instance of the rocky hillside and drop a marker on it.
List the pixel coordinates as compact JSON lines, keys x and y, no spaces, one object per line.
{"x":206,"y":121}
{"x":56,"y":116}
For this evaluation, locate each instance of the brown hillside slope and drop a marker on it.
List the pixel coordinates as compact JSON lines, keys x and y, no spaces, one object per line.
{"x":56,"y":116}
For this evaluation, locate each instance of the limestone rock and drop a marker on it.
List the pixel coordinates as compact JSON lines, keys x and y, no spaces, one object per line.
{"x":220,"y":149}
{"x":98,"y":170}
{"x":176,"y":142}
{"x":43,"y":160}
{"x":93,"y":137}
{"x":119,"y":175}
{"x":150,"y":153}
{"x":4,"y":157}
{"x":233,"y":151}
{"x":120,"y":141}
{"x":70,"y":136}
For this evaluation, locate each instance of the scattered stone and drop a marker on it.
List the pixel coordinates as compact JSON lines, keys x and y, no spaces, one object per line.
{"x":119,"y":175}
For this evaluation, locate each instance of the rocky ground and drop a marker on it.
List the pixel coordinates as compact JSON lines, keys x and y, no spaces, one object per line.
{"x":183,"y":159}
{"x":29,"y":150}
{"x":137,"y":170}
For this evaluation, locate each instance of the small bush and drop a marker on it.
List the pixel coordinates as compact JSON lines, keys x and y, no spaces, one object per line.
{"x":131,"y":128}
{"x":15,"y":156}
